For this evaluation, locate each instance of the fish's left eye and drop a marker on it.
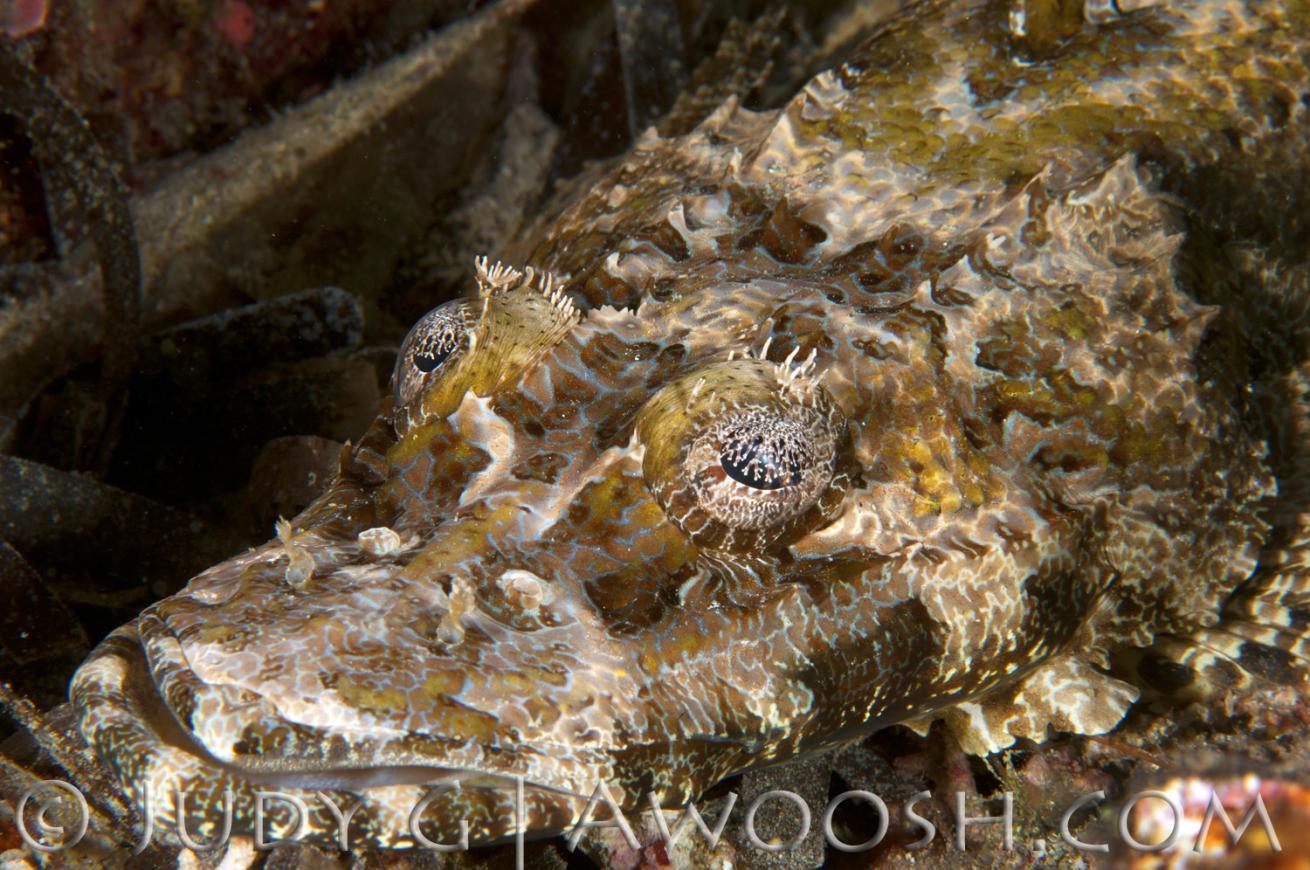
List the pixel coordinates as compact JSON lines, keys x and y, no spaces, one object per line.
{"x":438,"y":336}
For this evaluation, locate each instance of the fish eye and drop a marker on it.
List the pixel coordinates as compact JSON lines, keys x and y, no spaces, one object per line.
{"x":757,"y":468}
{"x":427,"y":359}
{"x":432,"y":342}
{"x":761,"y":451}
{"x":436,"y":336}
{"x":740,"y":456}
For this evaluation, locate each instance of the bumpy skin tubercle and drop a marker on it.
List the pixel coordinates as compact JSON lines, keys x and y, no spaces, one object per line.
{"x":985,"y":453}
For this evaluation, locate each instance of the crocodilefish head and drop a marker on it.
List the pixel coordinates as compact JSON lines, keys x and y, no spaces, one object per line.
{"x":806,"y":483}
{"x":562,"y":554}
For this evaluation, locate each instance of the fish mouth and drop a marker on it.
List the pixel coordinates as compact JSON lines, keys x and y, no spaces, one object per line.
{"x":143,"y":711}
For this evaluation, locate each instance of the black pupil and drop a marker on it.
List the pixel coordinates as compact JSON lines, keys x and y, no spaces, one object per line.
{"x":760,"y":464}
{"x":435,"y":350}
{"x":427,"y":360}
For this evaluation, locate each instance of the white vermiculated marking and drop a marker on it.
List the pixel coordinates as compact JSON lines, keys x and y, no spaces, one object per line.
{"x":573,"y":480}
{"x":489,"y":432}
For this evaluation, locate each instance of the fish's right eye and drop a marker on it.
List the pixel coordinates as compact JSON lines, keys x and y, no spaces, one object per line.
{"x":437,"y":338}
{"x":745,"y":453}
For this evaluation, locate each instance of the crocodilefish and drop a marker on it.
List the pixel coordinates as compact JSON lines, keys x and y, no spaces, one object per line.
{"x":968,"y":385}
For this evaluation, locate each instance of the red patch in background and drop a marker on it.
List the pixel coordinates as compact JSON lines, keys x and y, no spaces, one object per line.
{"x":21,"y":17}
{"x":236,"y":21}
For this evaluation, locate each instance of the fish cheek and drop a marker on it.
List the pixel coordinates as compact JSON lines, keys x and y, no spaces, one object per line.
{"x":428,"y":469}
{"x":632,"y":559}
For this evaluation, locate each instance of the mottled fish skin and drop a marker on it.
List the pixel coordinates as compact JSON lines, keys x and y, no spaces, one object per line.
{"x":942,"y":283}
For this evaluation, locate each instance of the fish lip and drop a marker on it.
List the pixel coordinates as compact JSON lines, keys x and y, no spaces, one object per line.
{"x":117,"y":684}
{"x":239,"y":728}
{"x":153,"y":757}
